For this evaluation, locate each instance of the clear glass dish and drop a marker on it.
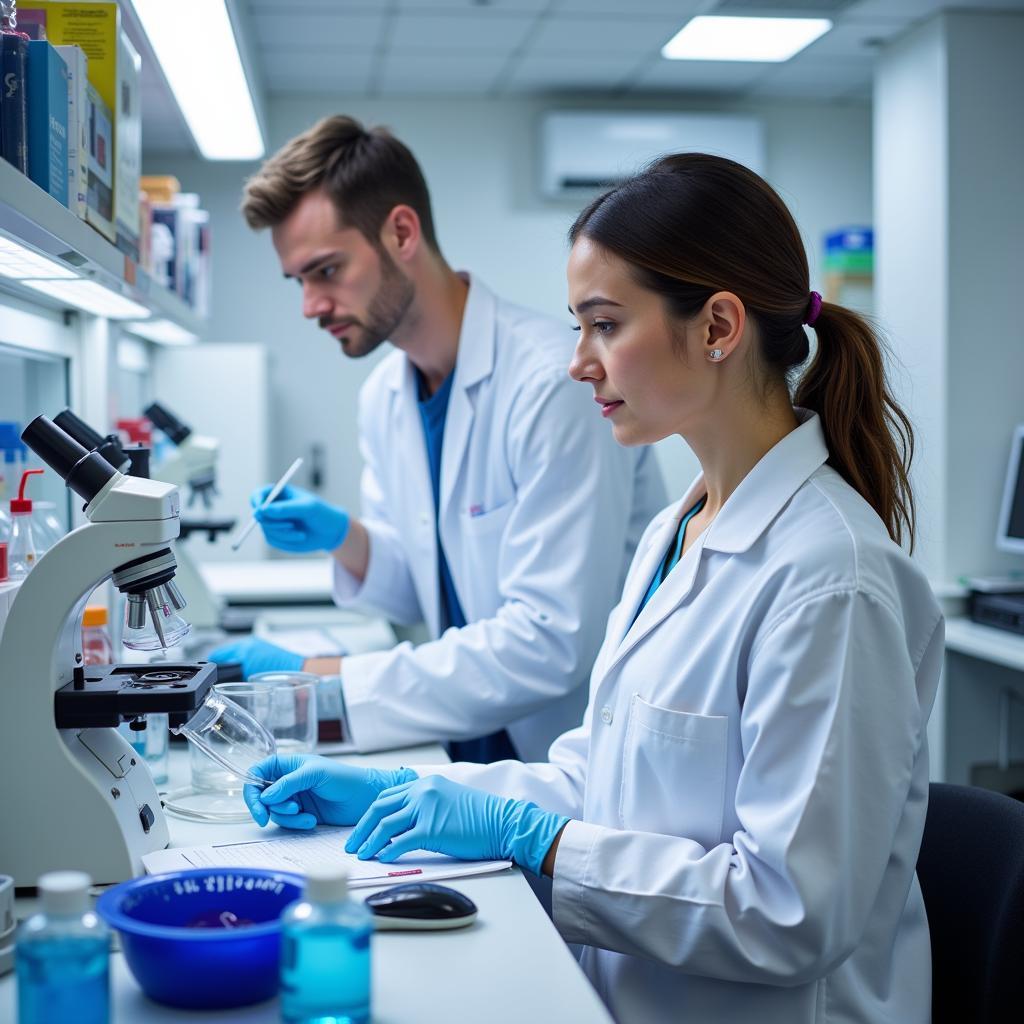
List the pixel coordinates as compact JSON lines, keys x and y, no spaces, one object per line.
{"x":197,"y":805}
{"x":230,"y":736}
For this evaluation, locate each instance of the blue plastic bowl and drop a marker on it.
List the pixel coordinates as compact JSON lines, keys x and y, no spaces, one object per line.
{"x":179,"y":951}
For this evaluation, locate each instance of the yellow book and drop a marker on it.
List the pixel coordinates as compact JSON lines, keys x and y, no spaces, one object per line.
{"x":94,"y":26}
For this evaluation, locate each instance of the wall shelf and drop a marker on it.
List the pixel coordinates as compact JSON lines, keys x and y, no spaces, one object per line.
{"x":35,"y":219}
{"x":996,"y":645}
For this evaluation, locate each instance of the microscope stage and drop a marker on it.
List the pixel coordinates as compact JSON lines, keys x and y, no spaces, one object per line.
{"x":106,"y":695}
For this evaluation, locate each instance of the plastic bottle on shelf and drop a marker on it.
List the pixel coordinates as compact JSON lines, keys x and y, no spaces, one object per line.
{"x":325,"y":953}
{"x":22,"y":553}
{"x":63,"y":956}
{"x":97,"y":648}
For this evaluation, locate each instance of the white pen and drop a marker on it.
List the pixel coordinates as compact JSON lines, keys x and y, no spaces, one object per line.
{"x":274,"y":492}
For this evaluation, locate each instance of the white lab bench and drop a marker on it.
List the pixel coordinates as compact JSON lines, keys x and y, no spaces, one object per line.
{"x":272,"y":581}
{"x":508,"y":967}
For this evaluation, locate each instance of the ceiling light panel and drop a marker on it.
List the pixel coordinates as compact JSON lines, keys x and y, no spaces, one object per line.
{"x":196,"y":47}
{"x":744,"y":39}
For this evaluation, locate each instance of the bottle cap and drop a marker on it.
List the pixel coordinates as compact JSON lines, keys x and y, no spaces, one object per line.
{"x":21,"y":505}
{"x":64,"y":892}
{"x":95,"y":615}
{"x":326,"y":885}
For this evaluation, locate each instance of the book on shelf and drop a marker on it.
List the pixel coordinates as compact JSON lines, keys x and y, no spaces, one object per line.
{"x":128,"y":147}
{"x":47,"y":95}
{"x":100,"y":158}
{"x":78,"y":124}
{"x":13,"y":106}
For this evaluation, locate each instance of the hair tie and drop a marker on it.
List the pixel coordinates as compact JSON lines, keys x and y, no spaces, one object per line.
{"x":813,"y":309}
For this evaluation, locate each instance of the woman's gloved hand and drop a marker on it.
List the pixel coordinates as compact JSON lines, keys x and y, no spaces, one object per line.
{"x":298,"y":521}
{"x":445,"y":817}
{"x":257,"y":656}
{"x":309,"y":790}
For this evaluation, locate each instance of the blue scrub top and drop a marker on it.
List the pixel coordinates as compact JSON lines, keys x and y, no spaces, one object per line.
{"x":672,"y":556}
{"x":434,"y":412}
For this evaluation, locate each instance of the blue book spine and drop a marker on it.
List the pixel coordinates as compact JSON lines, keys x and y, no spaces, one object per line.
{"x":48,"y":119}
{"x":13,"y":137}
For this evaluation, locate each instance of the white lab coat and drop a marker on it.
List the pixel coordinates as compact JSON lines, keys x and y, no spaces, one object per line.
{"x":541,"y":512}
{"x":751,"y":777}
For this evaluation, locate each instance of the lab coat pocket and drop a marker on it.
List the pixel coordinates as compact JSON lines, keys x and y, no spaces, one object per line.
{"x":673,"y":772}
{"x":481,"y":524}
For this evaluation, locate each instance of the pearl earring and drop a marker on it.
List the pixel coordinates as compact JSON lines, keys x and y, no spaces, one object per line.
{"x":716,"y":354}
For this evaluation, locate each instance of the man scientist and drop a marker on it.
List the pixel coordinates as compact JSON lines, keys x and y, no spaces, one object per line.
{"x":492,"y":500}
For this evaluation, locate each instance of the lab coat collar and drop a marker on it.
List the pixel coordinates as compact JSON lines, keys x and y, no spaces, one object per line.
{"x":744,"y":517}
{"x":764,"y":491}
{"x":475,"y":359}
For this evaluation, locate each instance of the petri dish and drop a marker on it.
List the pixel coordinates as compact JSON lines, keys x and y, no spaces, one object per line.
{"x":200,"y":805}
{"x":227,"y":734}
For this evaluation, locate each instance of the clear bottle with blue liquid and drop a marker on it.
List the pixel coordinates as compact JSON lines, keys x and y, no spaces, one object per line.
{"x":325,"y":954}
{"x":63,"y":956}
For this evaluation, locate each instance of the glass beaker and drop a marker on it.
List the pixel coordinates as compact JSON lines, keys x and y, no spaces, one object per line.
{"x":228,"y":740}
{"x":293,"y":709}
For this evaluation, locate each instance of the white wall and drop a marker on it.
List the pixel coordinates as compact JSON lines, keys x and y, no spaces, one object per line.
{"x":479,"y":159}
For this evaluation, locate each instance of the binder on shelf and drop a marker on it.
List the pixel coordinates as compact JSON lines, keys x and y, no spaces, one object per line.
{"x":78,"y":136}
{"x":128,"y":151}
{"x":47,"y":96}
{"x":100,"y":191}
{"x":14,"y":110}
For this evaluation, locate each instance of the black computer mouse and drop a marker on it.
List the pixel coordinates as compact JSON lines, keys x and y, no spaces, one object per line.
{"x":421,"y":906}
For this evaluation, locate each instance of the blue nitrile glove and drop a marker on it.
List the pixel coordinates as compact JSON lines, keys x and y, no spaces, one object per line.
{"x":445,"y":817}
{"x":299,"y":521}
{"x":309,"y":790}
{"x":257,"y":656}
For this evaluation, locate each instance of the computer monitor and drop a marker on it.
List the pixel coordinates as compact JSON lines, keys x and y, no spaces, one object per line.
{"x":1010,"y":536}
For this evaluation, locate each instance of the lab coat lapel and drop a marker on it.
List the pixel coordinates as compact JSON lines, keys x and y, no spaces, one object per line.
{"x":417,"y":506}
{"x":672,"y":591}
{"x":474,"y":362}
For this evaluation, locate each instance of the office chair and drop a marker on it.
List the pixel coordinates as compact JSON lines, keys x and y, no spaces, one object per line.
{"x":971,"y":870}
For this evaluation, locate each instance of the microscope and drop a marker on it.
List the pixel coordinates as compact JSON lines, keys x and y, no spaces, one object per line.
{"x":194,"y":463}
{"x":76,"y":793}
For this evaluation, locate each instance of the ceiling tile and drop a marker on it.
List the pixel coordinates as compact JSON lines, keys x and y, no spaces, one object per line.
{"x":681,"y":10}
{"x":851,"y":39}
{"x":426,"y":74}
{"x":897,"y":10}
{"x":596,"y":37}
{"x":341,"y":30}
{"x":476,"y":31}
{"x":305,"y":72}
{"x":815,"y":78}
{"x":547,"y":73}
{"x":502,"y":6}
{"x":696,"y":76}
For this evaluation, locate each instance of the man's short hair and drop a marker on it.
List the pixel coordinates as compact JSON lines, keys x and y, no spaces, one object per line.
{"x":365,"y":172}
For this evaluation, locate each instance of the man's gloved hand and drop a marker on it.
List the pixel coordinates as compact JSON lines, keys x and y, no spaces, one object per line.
{"x":257,"y":656}
{"x":297,"y":520}
{"x":309,"y":790}
{"x":445,"y":817}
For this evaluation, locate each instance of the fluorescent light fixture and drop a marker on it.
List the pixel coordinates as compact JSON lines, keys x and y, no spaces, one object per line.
{"x":164,"y":332}
{"x":743,"y":39}
{"x":91,"y":297}
{"x":196,"y":47}
{"x":18,"y":262}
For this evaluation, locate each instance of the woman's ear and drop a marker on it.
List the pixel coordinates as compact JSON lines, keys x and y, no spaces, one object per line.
{"x":725,"y":318}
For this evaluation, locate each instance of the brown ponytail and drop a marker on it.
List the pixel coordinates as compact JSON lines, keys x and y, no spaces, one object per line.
{"x":869,"y":437}
{"x":693,"y":224}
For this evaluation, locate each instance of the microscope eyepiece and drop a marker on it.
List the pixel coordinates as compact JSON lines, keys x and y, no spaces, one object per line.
{"x":86,"y":473}
{"x":109,"y":447}
{"x":167,"y":422}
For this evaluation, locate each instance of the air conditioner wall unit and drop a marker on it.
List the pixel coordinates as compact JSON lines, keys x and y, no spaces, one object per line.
{"x":583,"y":151}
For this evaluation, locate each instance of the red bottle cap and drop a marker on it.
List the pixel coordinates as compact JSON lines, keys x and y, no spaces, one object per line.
{"x":22,"y":505}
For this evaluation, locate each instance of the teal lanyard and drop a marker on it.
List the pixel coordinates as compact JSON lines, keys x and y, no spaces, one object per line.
{"x":672,"y":556}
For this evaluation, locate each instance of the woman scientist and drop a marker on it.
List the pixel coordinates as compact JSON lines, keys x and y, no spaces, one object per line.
{"x":732,"y":832}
